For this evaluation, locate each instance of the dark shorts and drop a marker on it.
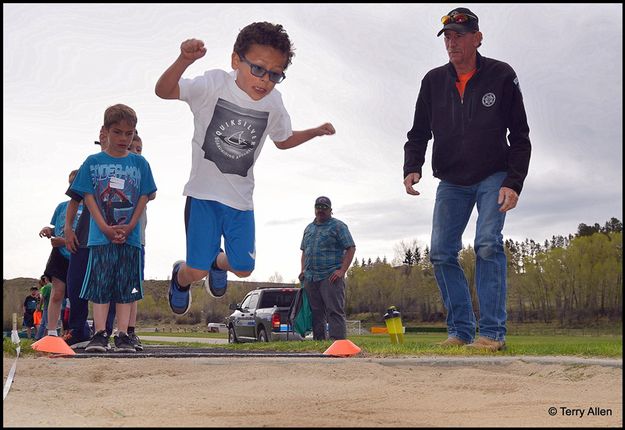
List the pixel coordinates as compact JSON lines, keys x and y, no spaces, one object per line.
{"x":29,"y":320}
{"x":57,"y":266}
{"x":113,"y":274}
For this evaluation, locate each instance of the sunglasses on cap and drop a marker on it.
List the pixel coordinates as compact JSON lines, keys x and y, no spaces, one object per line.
{"x":259,"y":71}
{"x":457,"y":18}
{"x":322,"y":207}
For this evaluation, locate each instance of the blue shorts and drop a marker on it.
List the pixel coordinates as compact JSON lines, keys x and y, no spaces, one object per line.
{"x":206,"y":221}
{"x":113,"y":274}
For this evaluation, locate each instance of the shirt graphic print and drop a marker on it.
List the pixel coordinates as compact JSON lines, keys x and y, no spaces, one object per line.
{"x":233,"y":136}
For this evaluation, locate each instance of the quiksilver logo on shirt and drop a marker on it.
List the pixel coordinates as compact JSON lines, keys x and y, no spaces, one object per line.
{"x":488,"y":99}
{"x":233,"y":137}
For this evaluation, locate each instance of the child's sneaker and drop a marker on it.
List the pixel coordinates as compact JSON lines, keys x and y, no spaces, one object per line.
{"x":136,"y":342}
{"x":123,"y":343}
{"x":73,"y":341}
{"x":179,"y":298}
{"x":216,"y":282}
{"x":98,"y":343}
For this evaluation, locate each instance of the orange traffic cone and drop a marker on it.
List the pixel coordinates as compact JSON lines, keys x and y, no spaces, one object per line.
{"x":342,"y":348}
{"x":53,"y":344}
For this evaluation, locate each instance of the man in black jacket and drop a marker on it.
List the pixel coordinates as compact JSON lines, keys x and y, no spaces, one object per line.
{"x":468,"y":106}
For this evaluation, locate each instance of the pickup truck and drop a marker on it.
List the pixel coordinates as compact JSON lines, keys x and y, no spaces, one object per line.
{"x":217,"y":328}
{"x":262,"y":316}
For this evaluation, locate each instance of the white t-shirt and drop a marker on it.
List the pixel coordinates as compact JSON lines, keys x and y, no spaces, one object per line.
{"x":230,"y":129}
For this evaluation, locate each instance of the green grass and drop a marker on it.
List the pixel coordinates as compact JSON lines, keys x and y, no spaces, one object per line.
{"x":9,"y":348}
{"x":599,"y":329}
{"x":415,"y":344}
{"x":184,"y":334}
{"x":421,"y":344}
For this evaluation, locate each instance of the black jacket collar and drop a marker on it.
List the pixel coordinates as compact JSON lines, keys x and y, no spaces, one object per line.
{"x":478,"y":65}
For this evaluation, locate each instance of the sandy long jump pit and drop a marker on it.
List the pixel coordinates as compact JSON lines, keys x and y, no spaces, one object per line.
{"x":226,"y":390}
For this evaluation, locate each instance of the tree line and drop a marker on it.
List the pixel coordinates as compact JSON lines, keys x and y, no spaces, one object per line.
{"x":571,"y":280}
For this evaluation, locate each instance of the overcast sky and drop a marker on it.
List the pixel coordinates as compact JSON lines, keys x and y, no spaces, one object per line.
{"x":357,"y":66}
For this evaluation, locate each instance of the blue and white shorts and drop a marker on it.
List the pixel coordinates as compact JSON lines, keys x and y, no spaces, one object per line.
{"x":206,"y":221}
{"x":113,"y":274}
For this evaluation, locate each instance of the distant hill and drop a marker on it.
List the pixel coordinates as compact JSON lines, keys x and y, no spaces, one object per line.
{"x":153,"y":309}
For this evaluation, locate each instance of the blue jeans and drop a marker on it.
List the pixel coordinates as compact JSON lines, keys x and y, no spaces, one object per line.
{"x":452,"y":210}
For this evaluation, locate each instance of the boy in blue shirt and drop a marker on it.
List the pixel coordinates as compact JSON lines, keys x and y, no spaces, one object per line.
{"x":234,"y":112}
{"x":58,"y":262}
{"x":77,"y":238}
{"x":115,"y":185}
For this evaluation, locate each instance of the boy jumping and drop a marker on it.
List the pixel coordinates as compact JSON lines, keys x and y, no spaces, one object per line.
{"x":234,"y":112}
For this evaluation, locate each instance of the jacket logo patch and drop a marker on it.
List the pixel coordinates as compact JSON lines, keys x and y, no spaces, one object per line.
{"x":489,"y":99}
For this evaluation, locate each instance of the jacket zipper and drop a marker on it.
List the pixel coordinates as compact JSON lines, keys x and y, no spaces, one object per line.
{"x":470,"y":104}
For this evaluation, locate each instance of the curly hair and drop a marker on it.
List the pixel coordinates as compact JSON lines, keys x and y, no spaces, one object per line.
{"x":264,"y":33}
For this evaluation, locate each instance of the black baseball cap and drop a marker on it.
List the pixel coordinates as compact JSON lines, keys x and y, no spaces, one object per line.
{"x":471,"y":24}
{"x":323,"y":201}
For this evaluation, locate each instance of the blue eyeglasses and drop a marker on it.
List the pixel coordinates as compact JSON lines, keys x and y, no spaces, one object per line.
{"x":259,"y":71}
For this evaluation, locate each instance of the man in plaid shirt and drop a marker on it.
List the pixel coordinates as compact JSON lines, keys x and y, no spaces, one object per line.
{"x":327,"y":252}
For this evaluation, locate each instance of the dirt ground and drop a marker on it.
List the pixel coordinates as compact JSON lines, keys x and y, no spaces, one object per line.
{"x":308,"y":392}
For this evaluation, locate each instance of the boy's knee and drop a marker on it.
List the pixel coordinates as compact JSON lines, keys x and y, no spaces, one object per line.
{"x":242,"y":274}
{"x":488,"y":250}
{"x":57,"y":295}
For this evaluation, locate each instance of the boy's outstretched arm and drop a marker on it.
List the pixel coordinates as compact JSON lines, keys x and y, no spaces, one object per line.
{"x":299,"y":137}
{"x":46,"y":232}
{"x":167,"y":85}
